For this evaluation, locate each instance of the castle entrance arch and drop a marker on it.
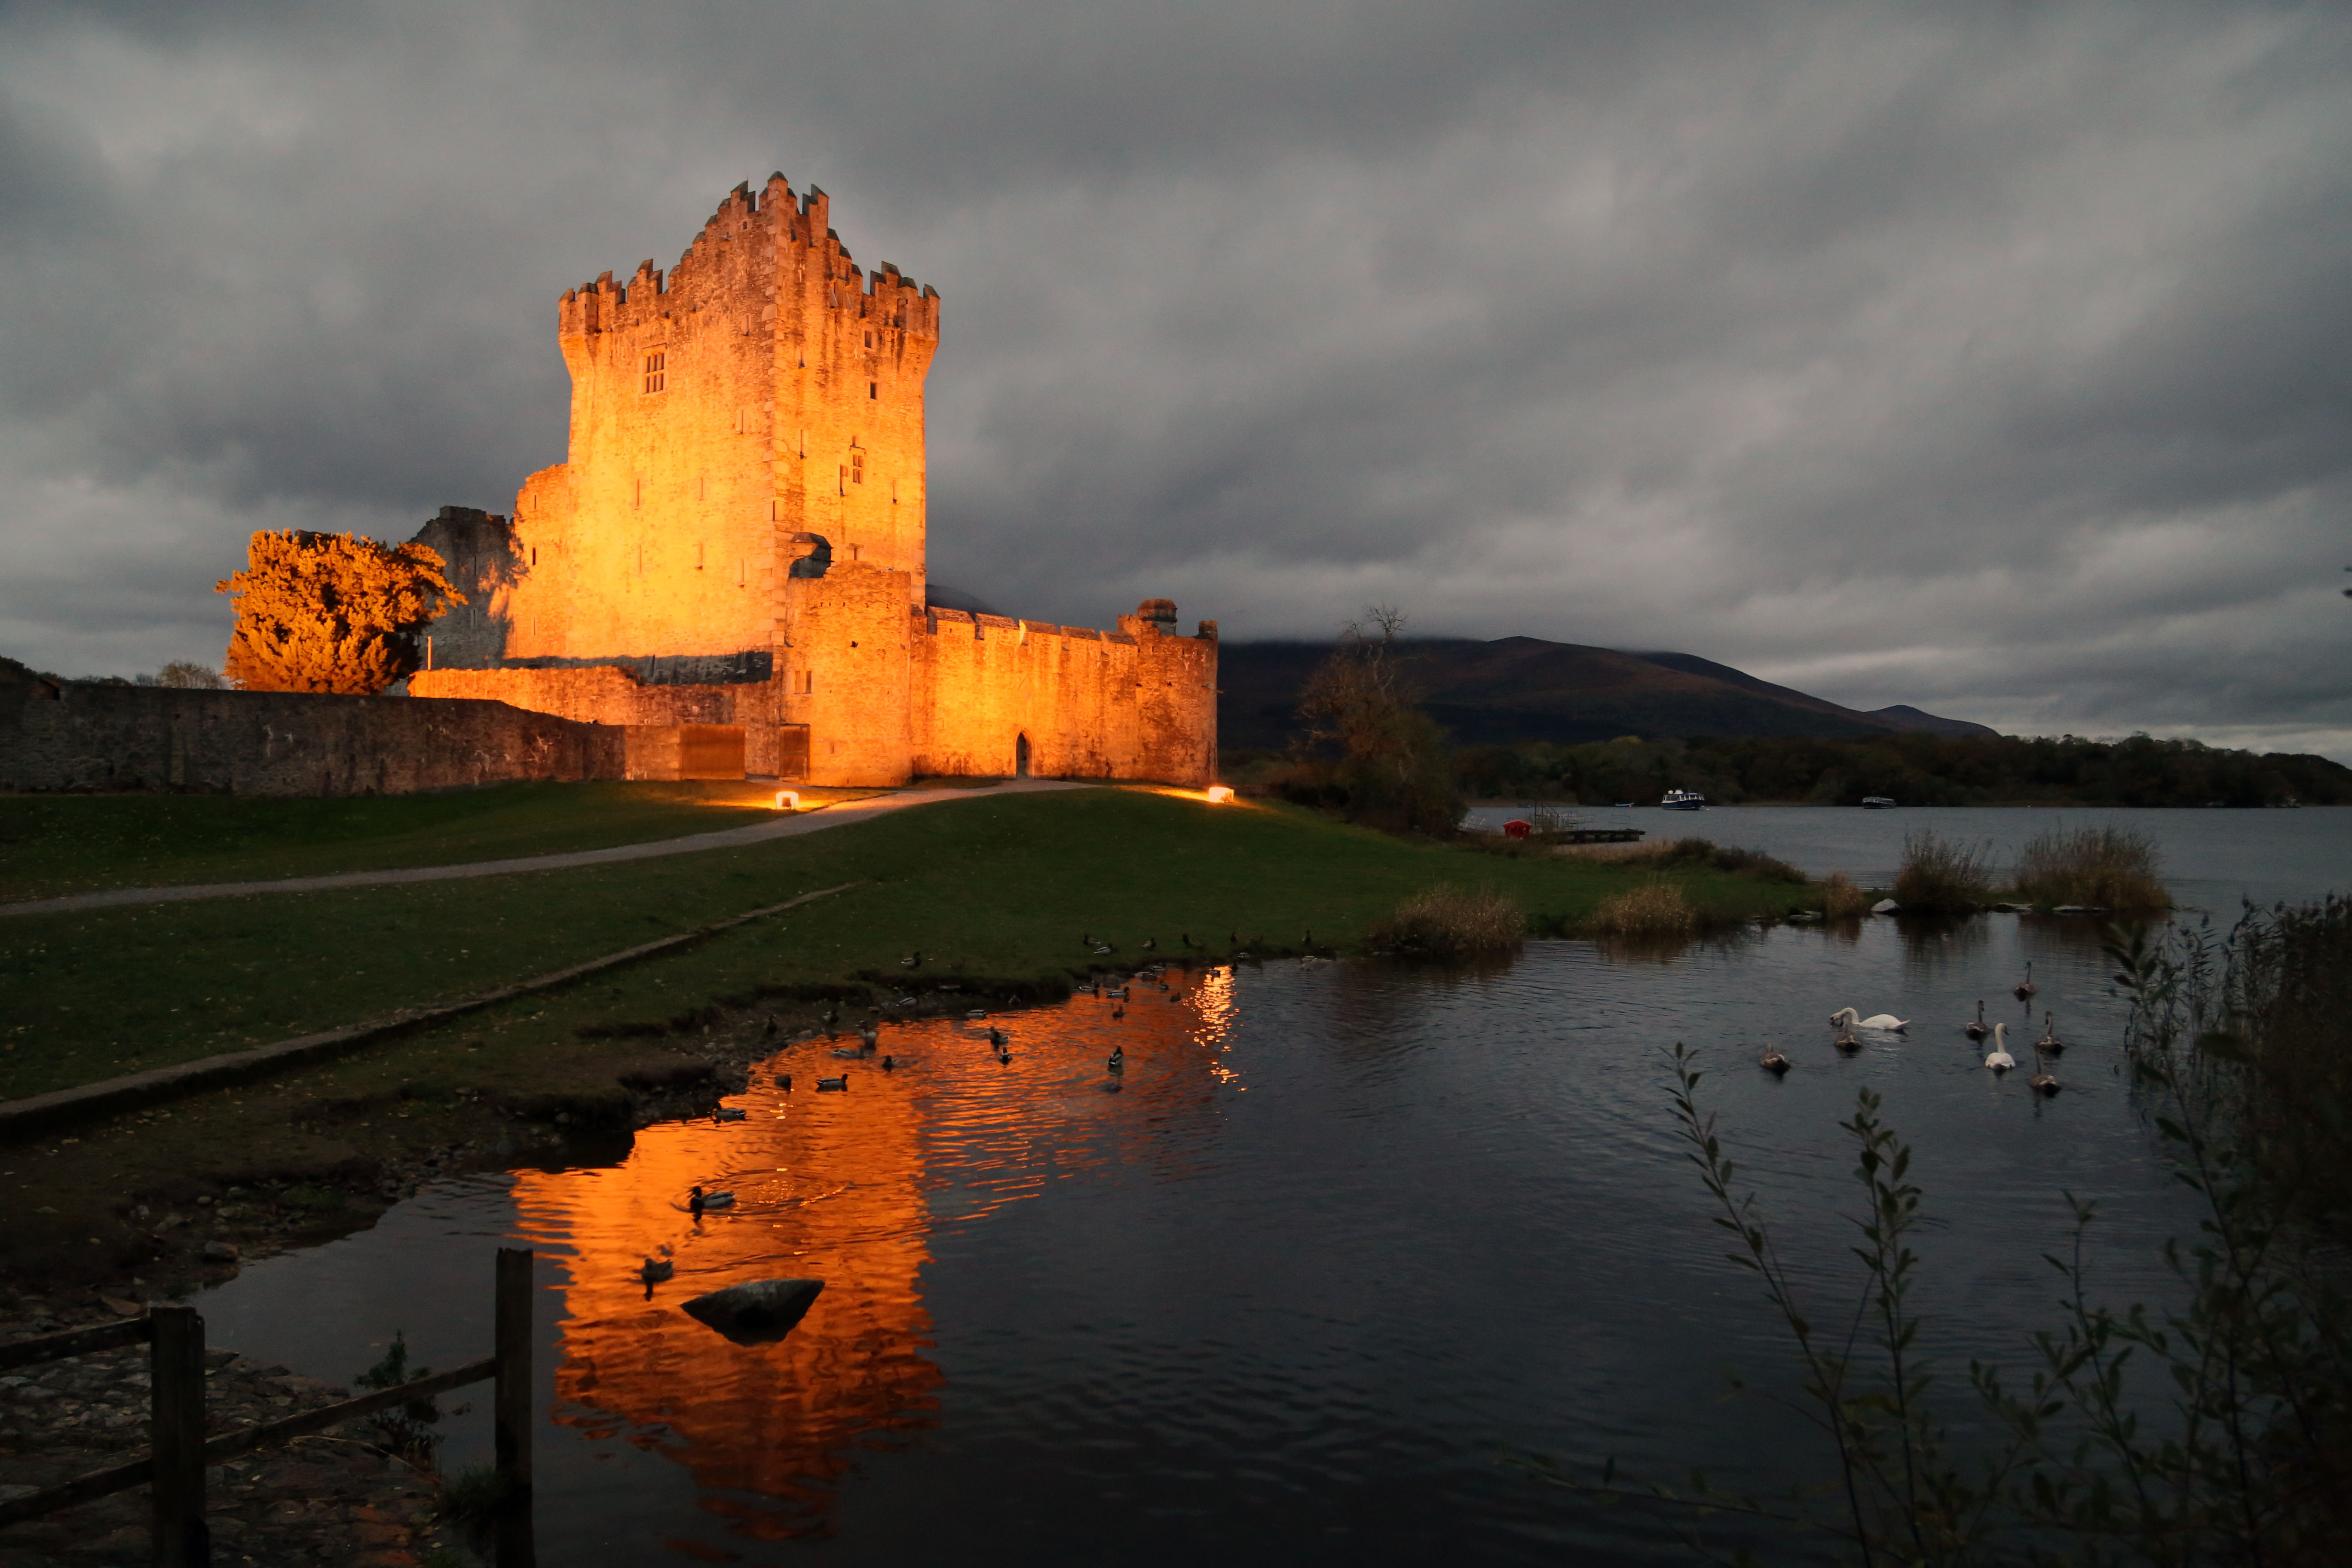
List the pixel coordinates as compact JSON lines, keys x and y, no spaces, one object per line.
{"x":1021,"y":757}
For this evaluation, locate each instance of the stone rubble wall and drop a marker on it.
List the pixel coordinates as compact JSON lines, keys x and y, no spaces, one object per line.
{"x":94,"y":737}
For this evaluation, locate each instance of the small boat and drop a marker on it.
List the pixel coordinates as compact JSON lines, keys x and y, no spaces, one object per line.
{"x":1684,"y":800}
{"x":1877,"y":803}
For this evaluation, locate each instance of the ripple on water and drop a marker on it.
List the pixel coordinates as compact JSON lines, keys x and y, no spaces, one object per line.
{"x":1338,"y":1237}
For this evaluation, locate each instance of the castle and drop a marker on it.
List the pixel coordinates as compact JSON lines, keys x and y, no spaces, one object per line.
{"x":732,"y":560}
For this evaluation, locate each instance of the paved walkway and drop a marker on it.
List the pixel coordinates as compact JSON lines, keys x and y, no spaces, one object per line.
{"x":815,"y":821}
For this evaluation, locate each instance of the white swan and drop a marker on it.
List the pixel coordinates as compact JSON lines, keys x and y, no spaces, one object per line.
{"x":1886,"y":1021}
{"x":1999,"y":1059}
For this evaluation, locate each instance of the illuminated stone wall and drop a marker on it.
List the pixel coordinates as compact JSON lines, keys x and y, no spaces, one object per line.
{"x":1136,"y":703}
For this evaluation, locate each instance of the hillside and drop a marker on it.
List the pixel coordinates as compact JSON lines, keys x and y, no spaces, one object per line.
{"x":1524,"y":689}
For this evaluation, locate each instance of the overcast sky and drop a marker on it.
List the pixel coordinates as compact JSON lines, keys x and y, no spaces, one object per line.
{"x":1994,"y":358}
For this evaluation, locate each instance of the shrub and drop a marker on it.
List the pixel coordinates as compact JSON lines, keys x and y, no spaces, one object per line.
{"x":1448,"y":922}
{"x":1655,"y":909}
{"x":1842,"y":901}
{"x":1938,"y":875}
{"x":2111,"y":867}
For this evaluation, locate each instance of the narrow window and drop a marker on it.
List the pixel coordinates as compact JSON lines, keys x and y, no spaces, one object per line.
{"x":869,"y":339}
{"x":874,"y":390}
{"x":856,"y":467}
{"x":697,"y":558}
{"x":534,"y":554}
{"x":657,"y":369}
{"x":803,"y":682}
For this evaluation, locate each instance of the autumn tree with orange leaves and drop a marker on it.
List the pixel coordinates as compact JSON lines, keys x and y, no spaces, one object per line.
{"x":331,"y":612}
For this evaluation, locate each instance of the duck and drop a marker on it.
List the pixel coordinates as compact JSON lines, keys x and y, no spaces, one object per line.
{"x":1151,"y":942}
{"x":997,"y":1038}
{"x":831,"y":1083}
{"x":1003,"y":1056}
{"x":769,"y":1032}
{"x":654,"y":1270}
{"x":698,"y":1200}
{"x":1854,"y":1020}
{"x":1773,"y":1061}
{"x":1101,"y":948}
{"x":2025,"y":987}
{"x":846,"y":1054}
{"x":1119,"y":1010}
{"x":1846,"y":1040}
{"x":1978,"y":1029}
{"x":1999,"y":1059}
{"x":912,"y":960}
{"x":2043,"y":1084}
{"x":729,"y":1113}
{"x":784,"y":1081}
{"x":1117,"y":1062}
{"x":889,"y":1066}
{"x":2049,"y":1045}
{"x":1086,"y":938}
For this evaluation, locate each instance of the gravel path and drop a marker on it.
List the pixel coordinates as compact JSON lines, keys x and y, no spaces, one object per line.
{"x":813,"y":821}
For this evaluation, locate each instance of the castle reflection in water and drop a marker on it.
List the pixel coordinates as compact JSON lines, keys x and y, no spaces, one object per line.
{"x":848,"y":1188}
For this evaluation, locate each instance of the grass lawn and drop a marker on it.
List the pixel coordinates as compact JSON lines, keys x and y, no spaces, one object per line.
{"x":996,"y":887}
{"x":55,"y":844}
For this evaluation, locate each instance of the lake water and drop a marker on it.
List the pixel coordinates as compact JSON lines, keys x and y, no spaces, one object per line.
{"x":1343,"y":1239}
{"x":2212,"y":858}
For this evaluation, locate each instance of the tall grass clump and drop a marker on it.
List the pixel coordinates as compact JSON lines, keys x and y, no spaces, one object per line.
{"x":2107,"y":868}
{"x":1842,"y":901}
{"x":1938,"y":875}
{"x":1698,"y":853}
{"x":1654,"y":910}
{"x":1448,"y":922}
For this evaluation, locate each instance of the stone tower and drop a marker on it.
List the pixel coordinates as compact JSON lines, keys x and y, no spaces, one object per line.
{"x":739,"y":539}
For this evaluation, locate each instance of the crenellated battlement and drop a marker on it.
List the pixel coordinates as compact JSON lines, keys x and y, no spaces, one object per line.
{"x":759,"y":242}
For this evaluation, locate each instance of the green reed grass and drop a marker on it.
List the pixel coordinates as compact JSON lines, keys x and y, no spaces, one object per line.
{"x":1449,"y":921}
{"x":2106,"y":867}
{"x":1939,"y":874}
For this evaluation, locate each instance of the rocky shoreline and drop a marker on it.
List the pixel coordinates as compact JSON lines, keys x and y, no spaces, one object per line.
{"x":338,"y":1497}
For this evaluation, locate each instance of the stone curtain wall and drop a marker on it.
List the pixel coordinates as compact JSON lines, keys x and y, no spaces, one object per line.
{"x":94,"y":738}
{"x":1130,"y":704}
{"x":610,"y":695}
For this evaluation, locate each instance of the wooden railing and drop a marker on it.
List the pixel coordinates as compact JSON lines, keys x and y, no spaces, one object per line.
{"x":179,"y":1451}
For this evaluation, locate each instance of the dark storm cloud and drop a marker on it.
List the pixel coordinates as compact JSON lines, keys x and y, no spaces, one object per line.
{"x":1987,"y":358}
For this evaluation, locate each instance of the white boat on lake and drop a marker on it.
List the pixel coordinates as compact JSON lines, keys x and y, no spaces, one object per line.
{"x":1684,"y":800}
{"x":1877,"y":803}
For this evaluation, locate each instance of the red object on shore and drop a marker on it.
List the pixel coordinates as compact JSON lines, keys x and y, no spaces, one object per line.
{"x":1515,"y":829}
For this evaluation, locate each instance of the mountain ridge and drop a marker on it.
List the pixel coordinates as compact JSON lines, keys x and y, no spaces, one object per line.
{"x":1517,"y":689}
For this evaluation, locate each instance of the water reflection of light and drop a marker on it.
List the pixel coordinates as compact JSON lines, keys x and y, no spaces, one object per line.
{"x":851,"y":1188}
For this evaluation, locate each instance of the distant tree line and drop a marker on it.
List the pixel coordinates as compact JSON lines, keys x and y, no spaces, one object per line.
{"x":1919,"y":769}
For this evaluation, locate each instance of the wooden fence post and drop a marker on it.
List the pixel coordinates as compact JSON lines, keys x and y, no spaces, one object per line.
{"x":176,"y":1365}
{"x":510,"y":1342}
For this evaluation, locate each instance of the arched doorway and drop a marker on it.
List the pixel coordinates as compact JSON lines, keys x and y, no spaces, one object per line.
{"x":1021,"y":758}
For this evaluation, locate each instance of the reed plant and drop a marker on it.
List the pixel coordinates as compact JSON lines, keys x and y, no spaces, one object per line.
{"x":2104,"y":867}
{"x":1451,"y":922}
{"x":1941,"y":875}
{"x":1842,"y":901}
{"x":1695,"y":854}
{"x":1654,"y":911}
